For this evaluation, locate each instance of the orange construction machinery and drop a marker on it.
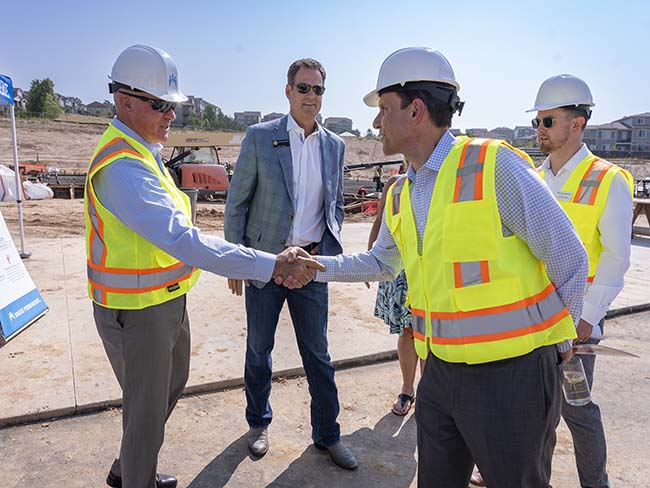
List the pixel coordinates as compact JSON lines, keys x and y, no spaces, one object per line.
{"x":194,"y":161}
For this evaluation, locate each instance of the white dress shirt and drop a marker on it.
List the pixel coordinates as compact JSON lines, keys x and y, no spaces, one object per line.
{"x":615,"y":233}
{"x":309,"y":217}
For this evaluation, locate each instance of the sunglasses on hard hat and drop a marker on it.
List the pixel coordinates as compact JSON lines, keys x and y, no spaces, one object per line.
{"x":156,"y":103}
{"x":305,"y":87}
{"x":546,"y":121}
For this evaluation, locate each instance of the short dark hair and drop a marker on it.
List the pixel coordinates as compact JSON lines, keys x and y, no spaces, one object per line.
{"x":440,"y":112}
{"x":578,"y":111}
{"x":308,"y":63}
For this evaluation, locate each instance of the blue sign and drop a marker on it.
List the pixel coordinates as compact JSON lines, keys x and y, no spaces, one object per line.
{"x":6,"y":91}
{"x":21,"y":313}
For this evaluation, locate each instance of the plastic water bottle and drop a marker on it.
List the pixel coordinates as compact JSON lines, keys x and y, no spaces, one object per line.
{"x":574,"y":383}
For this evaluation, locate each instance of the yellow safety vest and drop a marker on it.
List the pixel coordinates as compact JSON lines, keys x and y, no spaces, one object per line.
{"x":125,"y":271}
{"x":586,"y":190}
{"x":475,"y":295}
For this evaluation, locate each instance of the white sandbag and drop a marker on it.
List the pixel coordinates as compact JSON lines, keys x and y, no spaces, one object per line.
{"x":7,"y":184}
{"x":37,"y":191}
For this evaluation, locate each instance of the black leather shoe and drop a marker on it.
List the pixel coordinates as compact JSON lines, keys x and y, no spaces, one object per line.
{"x":340,"y":455}
{"x":162,"y":481}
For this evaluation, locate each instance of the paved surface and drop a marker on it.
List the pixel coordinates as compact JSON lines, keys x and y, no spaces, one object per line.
{"x":58,"y":366}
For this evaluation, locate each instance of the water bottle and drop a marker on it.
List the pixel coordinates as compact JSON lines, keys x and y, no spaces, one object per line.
{"x":574,"y":383}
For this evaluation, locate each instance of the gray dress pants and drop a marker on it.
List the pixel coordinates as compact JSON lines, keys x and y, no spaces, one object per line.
{"x":586,"y":426}
{"x":500,"y":415}
{"x":149,"y":350}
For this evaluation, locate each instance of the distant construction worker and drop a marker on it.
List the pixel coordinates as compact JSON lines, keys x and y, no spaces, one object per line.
{"x":597,"y":197}
{"x":495,"y":273}
{"x":142,"y":258}
{"x":379,"y":172}
{"x":288,"y":190}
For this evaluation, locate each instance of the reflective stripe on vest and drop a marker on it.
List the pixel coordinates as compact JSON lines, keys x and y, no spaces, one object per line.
{"x":514,"y":320}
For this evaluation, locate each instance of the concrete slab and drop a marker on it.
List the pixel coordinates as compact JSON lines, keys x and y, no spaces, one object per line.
{"x":58,"y":365}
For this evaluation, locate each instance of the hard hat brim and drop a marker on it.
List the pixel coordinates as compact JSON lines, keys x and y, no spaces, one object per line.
{"x":372,"y":99}
{"x":538,"y":108}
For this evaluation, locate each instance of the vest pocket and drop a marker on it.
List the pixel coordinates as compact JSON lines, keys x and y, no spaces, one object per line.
{"x":584,"y":219}
{"x":468,"y":232}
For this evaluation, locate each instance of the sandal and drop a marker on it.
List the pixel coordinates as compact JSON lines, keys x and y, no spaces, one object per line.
{"x":403,"y":404}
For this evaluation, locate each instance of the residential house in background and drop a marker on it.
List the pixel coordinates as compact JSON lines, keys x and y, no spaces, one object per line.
{"x":106,"y":109}
{"x":272,"y":116}
{"x":605,"y":137}
{"x":480,"y":132}
{"x":20,"y":98}
{"x":248,"y":118}
{"x":456,"y":132}
{"x":338,"y":124}
{"x":194,"y":106}
{"x":70,"y":105}
{"x":504,"y":133}
{"x":524,"y":136}
{"x":639,"y":132}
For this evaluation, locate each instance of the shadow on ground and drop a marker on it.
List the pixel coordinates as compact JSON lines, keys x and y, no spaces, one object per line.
{"x":386,"y":456}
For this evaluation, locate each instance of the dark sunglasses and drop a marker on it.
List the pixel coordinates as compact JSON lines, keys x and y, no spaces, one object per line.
{"x":156,"y":103}
{"x":546,"y":121}
{"x":305,"y":87}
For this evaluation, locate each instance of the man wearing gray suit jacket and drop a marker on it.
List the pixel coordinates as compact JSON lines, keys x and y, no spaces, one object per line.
{"x":287,"y":189}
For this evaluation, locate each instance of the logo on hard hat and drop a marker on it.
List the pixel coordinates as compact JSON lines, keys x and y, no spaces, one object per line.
{"x":172,"y":81}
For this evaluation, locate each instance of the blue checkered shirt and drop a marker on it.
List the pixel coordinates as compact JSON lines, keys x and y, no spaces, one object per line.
{"x":527,"y":209}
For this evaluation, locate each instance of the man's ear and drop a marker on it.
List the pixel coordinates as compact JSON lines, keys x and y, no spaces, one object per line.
{"x":287,"y":89}
{"x":417,"y":110}
{"x":124,"y":102}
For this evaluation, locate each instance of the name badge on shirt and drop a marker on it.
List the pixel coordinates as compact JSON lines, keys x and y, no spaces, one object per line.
{"x":564,"y":195}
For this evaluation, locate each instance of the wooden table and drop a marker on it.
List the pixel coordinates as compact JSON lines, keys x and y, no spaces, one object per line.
{"x":641,"y":205}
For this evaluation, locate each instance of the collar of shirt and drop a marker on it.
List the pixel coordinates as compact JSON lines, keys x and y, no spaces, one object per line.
{"x":292,"y":126}
{"x":153,"y":148}
{"x":570,"y":165}
{"x":437,"y":157}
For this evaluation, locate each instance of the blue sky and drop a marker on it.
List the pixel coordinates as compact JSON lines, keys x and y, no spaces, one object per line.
{"x":235,"y":54}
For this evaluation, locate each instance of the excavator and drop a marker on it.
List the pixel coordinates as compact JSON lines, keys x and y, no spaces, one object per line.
{"x":195,"y":164}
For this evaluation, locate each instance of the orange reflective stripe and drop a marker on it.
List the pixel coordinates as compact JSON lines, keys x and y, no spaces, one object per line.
{"x":547,"y":324}
{"x":590,"y":279}
{"x":418,"y":336}
{"x":594,"y":192}
{"x":123,"y":147}
{"x":485,"y":272}
{"x":458,"y":275}
{"x":493,"y":310}
{"x":478,"y":187}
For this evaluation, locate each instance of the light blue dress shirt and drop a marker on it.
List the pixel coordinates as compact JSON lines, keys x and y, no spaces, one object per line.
{"x":527,"y":208}
{"x":133,"y":194}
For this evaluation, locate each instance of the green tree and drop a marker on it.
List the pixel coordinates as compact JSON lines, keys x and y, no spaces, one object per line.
{"x":42,"y":100}
{"x":210,"y":115}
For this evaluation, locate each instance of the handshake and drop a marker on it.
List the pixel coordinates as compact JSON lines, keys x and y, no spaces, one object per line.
{"x":294,"y":268}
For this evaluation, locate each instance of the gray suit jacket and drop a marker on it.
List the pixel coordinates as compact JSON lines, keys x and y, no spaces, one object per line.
{"x":259,"y":207}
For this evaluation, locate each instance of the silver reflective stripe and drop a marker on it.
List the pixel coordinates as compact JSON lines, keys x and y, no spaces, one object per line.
{"x":499,"y":322}
{"x":97,"y":295}
{"x":471,"y":273}
{"x":419,"y":324}
{"x":468,"y":173}
{"x":97,"y":245}
{"x":586,"y":183}
{"x":585,"y":195}
{"x":137,"y":281}
{"x":396,"y":193}
{"x":118,"y":145}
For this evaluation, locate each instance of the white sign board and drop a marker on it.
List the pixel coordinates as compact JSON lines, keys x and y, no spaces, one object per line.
{"x":21,"y":304}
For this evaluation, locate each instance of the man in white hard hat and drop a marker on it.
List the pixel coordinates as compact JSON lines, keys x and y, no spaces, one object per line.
{"x":597,"y":196}
{"x":144,"y":255}
{"x":287,"y":189}
{"x":473,"y":226}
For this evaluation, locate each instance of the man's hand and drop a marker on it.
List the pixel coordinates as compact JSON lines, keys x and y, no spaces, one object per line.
{"x":566,"y":356}
{"x":584,"y":331}
{"x":294,"y":268}
{"x":235,"y":286}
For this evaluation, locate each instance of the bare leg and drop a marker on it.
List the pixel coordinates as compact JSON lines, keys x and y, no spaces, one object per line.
{"x":408,"y":360}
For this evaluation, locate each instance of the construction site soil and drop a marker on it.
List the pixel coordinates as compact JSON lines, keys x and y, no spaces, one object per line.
{"x":68,"y":143}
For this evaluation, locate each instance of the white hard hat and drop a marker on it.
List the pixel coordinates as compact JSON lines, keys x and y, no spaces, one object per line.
{"x":412,"y":64}
{"x":148,"y":69}
{"x":562,"y":91}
